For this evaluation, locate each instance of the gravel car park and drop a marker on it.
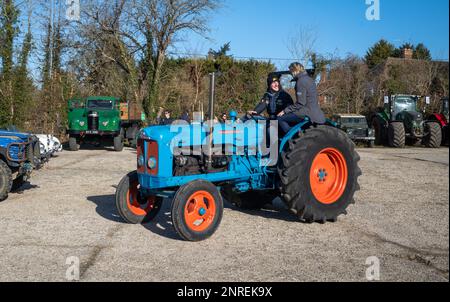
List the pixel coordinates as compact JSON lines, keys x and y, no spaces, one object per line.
{"x":67,"y":214}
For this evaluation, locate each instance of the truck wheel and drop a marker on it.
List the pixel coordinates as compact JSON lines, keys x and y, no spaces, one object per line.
{"x":396,"y":135}
{"x":378,"y":128}
{"x":319,"y":174}
{"x":133,"y":207}
{"x":118,"y":143}
{"x":18,"y":183}
{"x":74,"y":144}
{"x":5,"y":180}
{"x":433,"y":139}
{"x":371,"y":144}
{"x":197,"y":210}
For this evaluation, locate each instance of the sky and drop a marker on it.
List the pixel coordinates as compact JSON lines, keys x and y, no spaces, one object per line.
{"x":261,"y":28}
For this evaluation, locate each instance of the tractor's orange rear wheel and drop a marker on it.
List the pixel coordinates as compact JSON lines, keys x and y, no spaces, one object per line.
{"x":328,"y":176}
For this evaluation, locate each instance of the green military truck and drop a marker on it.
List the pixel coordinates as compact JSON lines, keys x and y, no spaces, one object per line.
{"x":103,"y":120}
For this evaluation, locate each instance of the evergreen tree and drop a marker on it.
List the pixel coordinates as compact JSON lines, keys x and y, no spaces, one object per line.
{"x":379,"y":53}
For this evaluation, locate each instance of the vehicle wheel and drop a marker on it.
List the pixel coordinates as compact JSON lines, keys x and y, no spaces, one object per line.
{"x":371,"y":144}
{"x":378,"y":128}
{"x":197,"y":210}
{"x":18,"y":183}
{"x":5,"y":180}
{"x":118,"y":143}
{"x":433,"y":139}
{"x":396,"y":135}
{"x":74,"y":144}
{"x":133,"y":207}
{"x":319,"y":174}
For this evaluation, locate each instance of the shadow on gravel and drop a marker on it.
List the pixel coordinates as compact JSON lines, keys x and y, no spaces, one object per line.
{"x":274,"y":211}
{"x":25,"y":187}
{"x":162,"y":225}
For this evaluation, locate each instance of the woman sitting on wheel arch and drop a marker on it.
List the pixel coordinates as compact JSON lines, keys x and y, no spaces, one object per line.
{"x":275,"y":100}
{"x":307,"y":104}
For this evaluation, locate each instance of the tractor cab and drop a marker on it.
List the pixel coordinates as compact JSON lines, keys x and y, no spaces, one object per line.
{"x":397,"y":105}
{"x":445,"y":108}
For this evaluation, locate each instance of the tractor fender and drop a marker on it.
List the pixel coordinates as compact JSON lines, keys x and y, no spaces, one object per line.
{"x":294,"y":131}
{"x":437,"y":117}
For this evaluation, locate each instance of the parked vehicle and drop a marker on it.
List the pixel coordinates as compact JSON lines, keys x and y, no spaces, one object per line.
{"x":442,"y":118}
{"x":49,"y":145}
{"x":399,"y":122}
{"x":356,"y":128}
{"x":18,"y":157}
{"x":314,"y":170}
{"x":103,"y":119}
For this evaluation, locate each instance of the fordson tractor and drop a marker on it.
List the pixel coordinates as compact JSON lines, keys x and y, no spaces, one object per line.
{"x":442,"y":119}
{"x":19,"y":154}
{"x":313,"y":168}
{"x":102,"y":120}
{"x":399,"y":122}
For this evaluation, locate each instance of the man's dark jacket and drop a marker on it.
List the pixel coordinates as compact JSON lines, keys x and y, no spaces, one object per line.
{"x":307,"y":100}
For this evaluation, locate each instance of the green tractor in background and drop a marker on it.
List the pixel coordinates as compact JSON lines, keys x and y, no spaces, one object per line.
{"x":103,"y":120}
{"x":399,"y":122}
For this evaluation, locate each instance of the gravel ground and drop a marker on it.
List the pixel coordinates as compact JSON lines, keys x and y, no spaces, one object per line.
{"x":401,"y":216}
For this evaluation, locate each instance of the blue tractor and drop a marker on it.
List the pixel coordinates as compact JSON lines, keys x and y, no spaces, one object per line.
{"x":313,"y":168}
{"x":19,"y":155}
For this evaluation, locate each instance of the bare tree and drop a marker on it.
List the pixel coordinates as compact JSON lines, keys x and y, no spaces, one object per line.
{"x":301,"y":44}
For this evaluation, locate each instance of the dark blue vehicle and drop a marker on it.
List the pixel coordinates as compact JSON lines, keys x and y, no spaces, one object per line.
{"x":313,"y":168}
{"x":19,"y":154}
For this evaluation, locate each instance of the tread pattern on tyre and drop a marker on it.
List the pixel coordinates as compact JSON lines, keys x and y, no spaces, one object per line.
{"x":396,"y":135}
{"x":294,"y":169}
{"x":434,"y":137}
{"x":6,"y":181}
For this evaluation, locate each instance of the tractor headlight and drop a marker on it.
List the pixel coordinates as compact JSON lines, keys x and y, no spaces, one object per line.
{"x":370,"y":132}
{"x":151,"y":163}
{"x":140,"y":160}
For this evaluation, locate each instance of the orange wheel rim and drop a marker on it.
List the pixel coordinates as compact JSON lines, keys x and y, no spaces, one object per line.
{"x":136,"y":205}
{"x":328,"y":176}
{"x":200,"y":211}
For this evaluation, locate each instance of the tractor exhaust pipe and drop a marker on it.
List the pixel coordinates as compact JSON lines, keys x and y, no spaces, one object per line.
{"x":212,"y":87}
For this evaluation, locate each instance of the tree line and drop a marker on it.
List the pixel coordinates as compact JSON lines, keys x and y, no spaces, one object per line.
{"x":123,"y":48}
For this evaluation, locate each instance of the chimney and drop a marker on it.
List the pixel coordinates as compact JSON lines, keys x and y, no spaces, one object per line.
{"x":407,"y":53}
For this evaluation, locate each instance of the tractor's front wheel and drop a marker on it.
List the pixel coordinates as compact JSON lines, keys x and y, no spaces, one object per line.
{"x":197,"y":210}
{"x":131,"y":205}
{"x":396,"y":135}
{"x":433,"y":138}
{"x":319,"y":174}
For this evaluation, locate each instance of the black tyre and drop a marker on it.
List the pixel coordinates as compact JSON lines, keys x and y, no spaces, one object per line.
{"x":18,"y":183}
{"x":253,"y":200}
{"x":396,"y":135}
{"x":118,"y":143}
{"x":74,"y":144}
{"x":378,"y":128}
{"x":5,"y":180}
{"x":133,"y":207}
{"x":197,"y":210}
{"x":319,"y":174}
{"x":433,"y":137}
